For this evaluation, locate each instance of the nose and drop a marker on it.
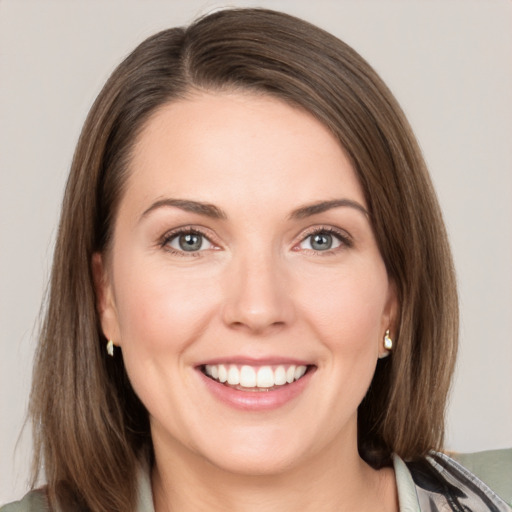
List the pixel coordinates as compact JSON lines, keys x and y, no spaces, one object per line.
{"x":258,"y":295}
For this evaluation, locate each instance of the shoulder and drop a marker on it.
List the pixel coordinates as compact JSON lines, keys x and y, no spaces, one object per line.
{"x":442,"y":481}
{"x":34,"y":501}
{"x":494,"y":467}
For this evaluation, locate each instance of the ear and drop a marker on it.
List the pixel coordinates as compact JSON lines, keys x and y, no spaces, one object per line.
{"x":389,"y":318}
{"x":105,"y":303}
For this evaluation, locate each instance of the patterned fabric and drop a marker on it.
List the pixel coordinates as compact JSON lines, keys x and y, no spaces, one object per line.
{"x":494,"y":467}
{"x":443,"y":485}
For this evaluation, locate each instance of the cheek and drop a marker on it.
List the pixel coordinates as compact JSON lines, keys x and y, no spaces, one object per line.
{"x":348,"y":307}
{"x":160,"y":307}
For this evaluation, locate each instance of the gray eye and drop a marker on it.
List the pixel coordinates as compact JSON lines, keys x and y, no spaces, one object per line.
{"x":190,"y":242}
{"x":321,"y":241}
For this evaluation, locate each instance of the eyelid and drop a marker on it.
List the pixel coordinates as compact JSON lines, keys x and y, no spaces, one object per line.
{"x":343,"y":236}
{"x":164,"y":240}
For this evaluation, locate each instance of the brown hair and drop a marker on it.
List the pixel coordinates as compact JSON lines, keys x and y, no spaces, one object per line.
{"x":88,"y":422}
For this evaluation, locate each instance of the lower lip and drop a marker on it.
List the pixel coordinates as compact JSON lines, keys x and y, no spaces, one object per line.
{"x":256,"y":400}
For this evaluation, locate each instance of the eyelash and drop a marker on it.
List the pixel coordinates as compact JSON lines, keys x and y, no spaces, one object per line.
{"x":171,"y":235}
{"x":343,"y":237}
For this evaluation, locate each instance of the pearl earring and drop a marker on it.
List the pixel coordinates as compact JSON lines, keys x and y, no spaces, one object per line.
{"x":110,"y":348}
{"x":388,"y":342}
{"x":388,"y":345}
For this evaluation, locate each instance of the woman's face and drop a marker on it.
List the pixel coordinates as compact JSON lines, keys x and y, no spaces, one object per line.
{"x":242,"y":251}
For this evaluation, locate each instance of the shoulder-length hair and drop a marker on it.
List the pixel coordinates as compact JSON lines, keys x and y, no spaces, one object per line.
{"x":90,"y":428}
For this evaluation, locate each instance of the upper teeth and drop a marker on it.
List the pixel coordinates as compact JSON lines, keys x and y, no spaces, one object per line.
{"x":251,"y":377}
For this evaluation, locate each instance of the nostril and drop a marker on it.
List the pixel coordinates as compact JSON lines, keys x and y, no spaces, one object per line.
{"x":257,"y":326}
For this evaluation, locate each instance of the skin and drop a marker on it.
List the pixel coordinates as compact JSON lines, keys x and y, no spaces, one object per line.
{"x":256,"y":289}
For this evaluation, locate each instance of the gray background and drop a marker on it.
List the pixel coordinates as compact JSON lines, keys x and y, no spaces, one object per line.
{"x":448,"y":62}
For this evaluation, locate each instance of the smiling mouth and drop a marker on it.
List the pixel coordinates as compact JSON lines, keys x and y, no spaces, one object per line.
{"x":255,"y":378}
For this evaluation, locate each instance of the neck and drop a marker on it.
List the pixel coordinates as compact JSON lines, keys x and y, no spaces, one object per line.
{"x":331,"y":481}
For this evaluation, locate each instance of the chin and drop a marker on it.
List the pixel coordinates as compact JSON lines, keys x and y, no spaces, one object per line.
{"x":262,"y":465}
{"x":254,"y":454}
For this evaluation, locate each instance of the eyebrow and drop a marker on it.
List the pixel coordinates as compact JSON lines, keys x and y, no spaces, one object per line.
{"x":209,"y":210}
{"x":214,"y":212}
{"x":323,"y":206}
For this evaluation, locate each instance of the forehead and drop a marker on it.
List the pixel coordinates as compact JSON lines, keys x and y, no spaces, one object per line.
{"x":234,"y":146}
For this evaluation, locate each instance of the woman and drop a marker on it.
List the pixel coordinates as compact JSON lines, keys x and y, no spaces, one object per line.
{"x":252,"y":302}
